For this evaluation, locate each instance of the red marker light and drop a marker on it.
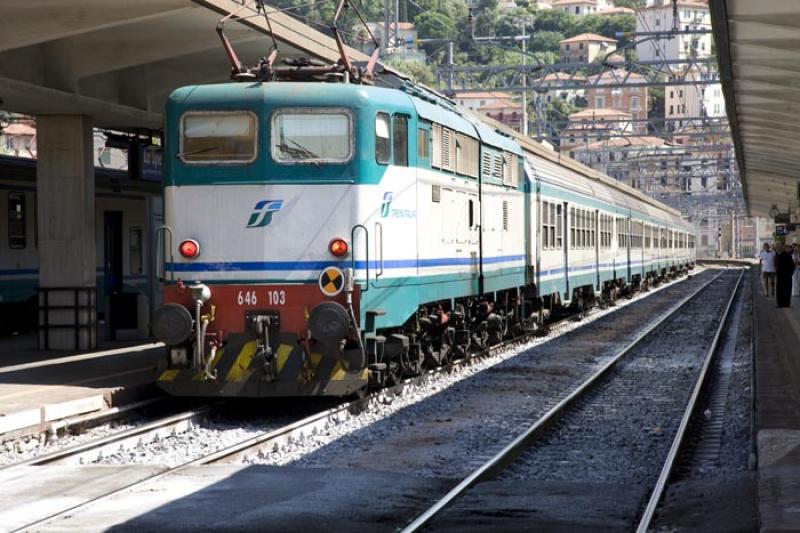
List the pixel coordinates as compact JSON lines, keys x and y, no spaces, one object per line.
{"x":338,"y":247}
{"x":189,"y":249}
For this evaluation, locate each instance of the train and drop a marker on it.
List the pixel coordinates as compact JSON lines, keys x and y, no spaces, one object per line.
{"x":322,"y":238}
{"x":126,"y":211}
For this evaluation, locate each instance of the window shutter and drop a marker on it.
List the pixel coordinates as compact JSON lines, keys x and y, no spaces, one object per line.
{"x":486,"y":163}
{"x":436,"y":138}
{"x":447,"y":149}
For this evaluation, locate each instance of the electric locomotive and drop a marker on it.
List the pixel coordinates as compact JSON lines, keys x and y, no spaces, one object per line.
{"x":325,"y":235}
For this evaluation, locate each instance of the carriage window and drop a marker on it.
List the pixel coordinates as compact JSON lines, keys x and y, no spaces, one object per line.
{"x":383,"y":141}
{"x":400,"y":137}
{"x":559,"y":228}
{"x":572,"y":227}
{"x":218,"y":137}
{"x":312,"y":136}
{"x":17,"y":238}
{"x":545,"y":225}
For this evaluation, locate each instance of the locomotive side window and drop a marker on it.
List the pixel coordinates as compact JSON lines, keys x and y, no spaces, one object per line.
{"x":423,"y":144}
{"x":383,"y":139}
{"x":400,"y":138}
{"x":218,"y":137}
{"x":312,"y":136}
{"x":17,"y":238}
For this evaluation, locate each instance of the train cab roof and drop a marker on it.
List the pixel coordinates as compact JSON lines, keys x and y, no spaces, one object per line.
{"x":274,"y":94}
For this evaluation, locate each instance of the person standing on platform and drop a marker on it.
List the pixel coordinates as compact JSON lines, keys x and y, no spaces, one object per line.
{"x":767,"y":263}
{"x":784,"y":268}
{"x":796,"y":275}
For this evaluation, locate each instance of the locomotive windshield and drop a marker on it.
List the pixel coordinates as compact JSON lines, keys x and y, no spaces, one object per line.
{"x":218,"y":137}
{"x":312,"y":136}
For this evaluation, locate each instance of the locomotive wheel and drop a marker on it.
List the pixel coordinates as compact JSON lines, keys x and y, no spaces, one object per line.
{"x":394,"y":373}
{"x":412,"y":364}
{"x":580,"y":306}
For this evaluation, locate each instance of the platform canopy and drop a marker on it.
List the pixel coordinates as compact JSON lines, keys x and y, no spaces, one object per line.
{"x":758,"y":46}
{"x":118,"y":60}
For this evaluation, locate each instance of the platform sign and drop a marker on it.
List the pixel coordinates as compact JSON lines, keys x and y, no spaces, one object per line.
{"x":151,"y":163}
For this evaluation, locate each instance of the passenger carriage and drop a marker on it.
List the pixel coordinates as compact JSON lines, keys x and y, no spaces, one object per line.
{"x":125,"y":212}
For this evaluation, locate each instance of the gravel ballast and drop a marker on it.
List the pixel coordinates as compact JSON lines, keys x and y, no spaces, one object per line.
{"x":449,"y":426}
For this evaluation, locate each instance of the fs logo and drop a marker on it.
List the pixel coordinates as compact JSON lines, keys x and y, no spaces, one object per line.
{"x":262,"y":213}
{"x":386,"y":206}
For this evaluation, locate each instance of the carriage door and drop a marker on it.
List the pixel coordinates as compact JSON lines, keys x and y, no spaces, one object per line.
{"x":628,"y":230}
{"x":642,"y":268}
{"x":112,"y":252}
{"x":475,"y":227}
{"x":567,"y":244}
{"x":596,"y":242}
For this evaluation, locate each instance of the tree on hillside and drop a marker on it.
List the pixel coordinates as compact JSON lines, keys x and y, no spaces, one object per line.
{"x":608,"y":26}
{"x":546,"y":41}
{"x":632,"y":4}
{"x":435,"y":25}
{"x":557,"y":21}
{"x":485,"y":17}
{"x":419,"y":72}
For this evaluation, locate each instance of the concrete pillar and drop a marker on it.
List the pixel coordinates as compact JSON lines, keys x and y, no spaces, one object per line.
{"x":65,"y":196}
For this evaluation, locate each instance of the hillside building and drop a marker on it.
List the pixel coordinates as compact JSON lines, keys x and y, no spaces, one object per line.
{"x":632,"y":100}
{"x":586,"y":47}
{"x":588,"y":126}
{"x":658,"y":15}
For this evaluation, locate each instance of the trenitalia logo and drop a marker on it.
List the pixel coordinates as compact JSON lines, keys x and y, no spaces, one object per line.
{"x":386,"y":206}
{"x":262,"y":213}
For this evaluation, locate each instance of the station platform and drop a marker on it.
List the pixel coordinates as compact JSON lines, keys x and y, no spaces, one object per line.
{"x":777,"y":410}
{"x":39,"y":387}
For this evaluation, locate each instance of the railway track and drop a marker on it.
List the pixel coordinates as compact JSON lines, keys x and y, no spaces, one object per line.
{"x":90,"y":452}
{"x":267,"y":440}
{"x":582,"y":398}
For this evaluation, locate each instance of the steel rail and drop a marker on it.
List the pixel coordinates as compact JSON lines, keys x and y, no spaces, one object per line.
{"x":121,"y":439}
{"x":677,"y":442}
{"x":503,"y":458}
{"x":308,"y":425}
{"x":298,"y":428}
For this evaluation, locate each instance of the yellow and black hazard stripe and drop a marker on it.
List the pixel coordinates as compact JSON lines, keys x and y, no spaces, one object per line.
{"x":236,"y":365}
